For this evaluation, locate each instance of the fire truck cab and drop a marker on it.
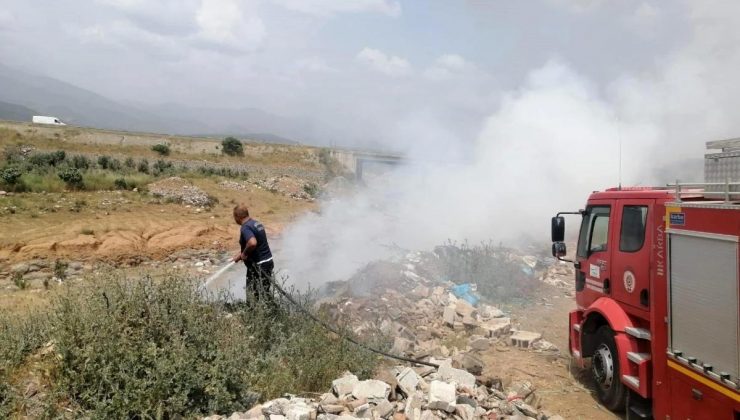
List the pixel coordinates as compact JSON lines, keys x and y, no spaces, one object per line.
{"x":656,"y":277}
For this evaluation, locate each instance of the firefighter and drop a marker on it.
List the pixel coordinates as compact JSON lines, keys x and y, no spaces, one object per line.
{"x":256,"y":254}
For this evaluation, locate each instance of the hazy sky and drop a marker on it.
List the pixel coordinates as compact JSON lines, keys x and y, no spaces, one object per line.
{"x":353,"y":68}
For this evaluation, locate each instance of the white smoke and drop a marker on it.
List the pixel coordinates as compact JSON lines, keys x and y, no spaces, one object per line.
{"x":547,"y":146}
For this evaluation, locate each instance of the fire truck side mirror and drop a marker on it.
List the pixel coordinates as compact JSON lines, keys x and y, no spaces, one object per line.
{"x":559,"y":250}
{"x":558,"y":229}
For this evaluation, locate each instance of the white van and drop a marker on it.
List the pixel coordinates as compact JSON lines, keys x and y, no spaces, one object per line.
{"x":40,"y":119}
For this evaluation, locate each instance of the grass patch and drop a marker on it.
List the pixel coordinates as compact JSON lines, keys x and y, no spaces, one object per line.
{"x":144,"y":348}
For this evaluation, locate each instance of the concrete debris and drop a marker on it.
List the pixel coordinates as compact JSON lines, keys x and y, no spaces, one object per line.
{"x":524,"y":339}
{"x":344,"y":385}
{"x":372,"y":390}
{"x":442,"y":396}
{"x":179,"y":190}
{"x":399,"y":299}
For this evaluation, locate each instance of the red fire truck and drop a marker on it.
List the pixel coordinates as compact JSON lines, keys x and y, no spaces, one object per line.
{"x":657,"y":295}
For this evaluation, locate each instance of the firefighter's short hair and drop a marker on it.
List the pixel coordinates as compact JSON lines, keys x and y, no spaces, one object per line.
{"x":241,"y":211}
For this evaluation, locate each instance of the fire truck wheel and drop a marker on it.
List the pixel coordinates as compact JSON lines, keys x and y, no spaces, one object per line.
{"x":605,"y":371}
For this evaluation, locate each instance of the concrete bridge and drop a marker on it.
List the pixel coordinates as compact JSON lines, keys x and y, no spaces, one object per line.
{"x":356,"y":160}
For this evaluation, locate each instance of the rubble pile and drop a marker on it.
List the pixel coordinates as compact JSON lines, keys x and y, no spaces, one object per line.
{"x":181,"y":191}
{"x":413,"y":393}
{"x":288,"y":186}
{"x":430,"y":320}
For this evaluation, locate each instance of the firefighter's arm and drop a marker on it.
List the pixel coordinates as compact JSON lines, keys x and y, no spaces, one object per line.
{"x":249,"y":247}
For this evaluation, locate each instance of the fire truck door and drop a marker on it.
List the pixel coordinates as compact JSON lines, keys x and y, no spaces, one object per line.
{"x":592,"y":274}
{"x":631,"y":252}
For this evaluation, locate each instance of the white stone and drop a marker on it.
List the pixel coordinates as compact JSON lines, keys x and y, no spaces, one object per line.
{"x":460,"y":377}
{"x":385,"y":409}
{"x":372,"y":389}
{"x":465,"y":411}
{"x":442,"y":396}
{"x":408,"y":380}
{"x":449,"y":316}
{"x":413,"y":406}
{"x":299,"y":412}
{"x":344,"y":385}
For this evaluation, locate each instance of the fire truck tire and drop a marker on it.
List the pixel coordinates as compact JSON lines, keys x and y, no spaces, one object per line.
{"x":605,"y":371}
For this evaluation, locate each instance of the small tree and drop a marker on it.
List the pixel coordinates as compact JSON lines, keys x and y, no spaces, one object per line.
{"x":72,"y":177}
{"x":162,"y":149}
{"x":232,"y":147}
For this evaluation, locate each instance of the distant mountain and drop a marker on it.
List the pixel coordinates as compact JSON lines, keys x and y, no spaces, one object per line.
{"x":28,"y":93}
{"x":16,"y":112}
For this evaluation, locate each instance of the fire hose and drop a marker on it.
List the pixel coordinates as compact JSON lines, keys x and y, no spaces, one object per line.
{"x":328,"y":327}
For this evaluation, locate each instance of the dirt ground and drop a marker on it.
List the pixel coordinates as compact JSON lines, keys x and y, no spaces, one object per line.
{"x":564,"y":390}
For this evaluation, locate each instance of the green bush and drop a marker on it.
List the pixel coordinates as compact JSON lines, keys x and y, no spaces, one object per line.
{"x":143,"y":166}
{"x":161,"y":166}
{"x":72,"y":177}
{"x":103,"y":161}
{"x":312,"y":189}
{"x":144,"y":348}
{"x":129,"y":163}
{"x":81,"y":162}
{"x":232,"y":147}
{"x":11,"y":175}
{"x":114,"y":165}
{"x":162,"y":149}
{"x":42,"y":160}
{"x":120,"y":184}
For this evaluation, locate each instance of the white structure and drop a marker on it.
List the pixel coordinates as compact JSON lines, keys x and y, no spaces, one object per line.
{"x":40,"y":119}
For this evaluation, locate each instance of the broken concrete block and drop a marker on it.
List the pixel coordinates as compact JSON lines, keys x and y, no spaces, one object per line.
{"x":276,"y":406}
{"x":385,"y":409}
{"x":442,"y":396}
{"x":344,"y":385}
{"x":413,"y":406}
{"x":472,"y":364}
{"x":524,"y":339}
{"x":354,"y":404}
{"x":479,"y":343}
{"x":465,"y":411}
{"x":460,"y":377}
{"x":300,"y":411}
{"x":526,"y":409}
{"x":470,"y":322}
{"x":254,"y":412}
{"x":277,"y":417}
{"x":399,"y":416}
{"x":465,"y":309}
{"x":449,"y":315}
{"x":408,"y":380}
{"x":497,"y":327}
{"x":331,"y":408}
{"x":402,"y":346}
{"x":372,"y":390}
{"x":429,"y":415}
{"x":365,"y":411}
